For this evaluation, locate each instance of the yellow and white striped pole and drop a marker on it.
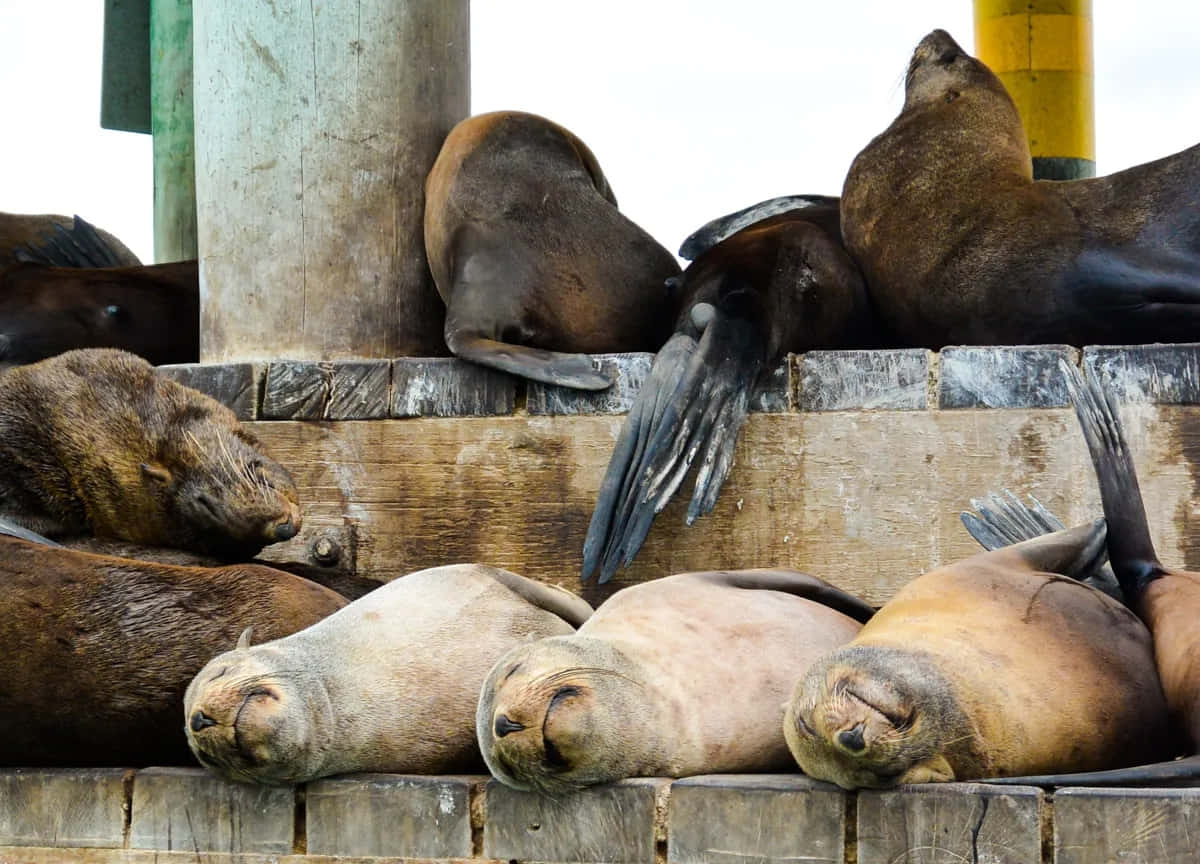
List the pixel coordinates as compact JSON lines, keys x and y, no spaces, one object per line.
{"x":1042,"y":51}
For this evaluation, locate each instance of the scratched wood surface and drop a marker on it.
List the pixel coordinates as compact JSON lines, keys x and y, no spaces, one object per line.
{"x":868,"y":500}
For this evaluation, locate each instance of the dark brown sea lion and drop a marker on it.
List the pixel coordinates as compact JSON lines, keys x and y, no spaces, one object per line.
{"x":153,"y":311}
{"x":959,"y":245}
{"x":95,"y":442}
{"x":992,"y":666}
{"x":534,"y":262}
{"x":98,"y":651}
{"x":676,"y":676}
{"x":390,"y":683}
{"x":780,"y":285}
{"x":69,"y":242}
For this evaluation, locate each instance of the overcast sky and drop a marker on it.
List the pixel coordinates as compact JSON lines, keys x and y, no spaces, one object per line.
{"x":693,"y":107}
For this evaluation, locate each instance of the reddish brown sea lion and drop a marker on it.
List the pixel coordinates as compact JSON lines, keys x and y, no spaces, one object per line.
{"x":95,"y":442}
{"x":534,"y":261}
{"x":780,"y":285}
{"x":996,"y":665}
{"x":98,"y":651}
{"x":959,"y":245}
{"x":676,"y":676}
{"x":70,"y":242}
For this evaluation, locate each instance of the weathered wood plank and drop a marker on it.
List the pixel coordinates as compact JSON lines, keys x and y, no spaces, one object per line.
{"x":62,"y":807}
{"x":235,"y":385}
{"x":618,"y":822}
{"x":1096,"y":826}
{"x":858,"y":380}
{"x":449,"y":387}
{"x":1022,"y":376}
{"x":755,"y":819}
{"x":950,"y":822}
{"x":868,"y":500}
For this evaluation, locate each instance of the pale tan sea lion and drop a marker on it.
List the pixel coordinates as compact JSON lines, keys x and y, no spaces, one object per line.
{"x":534,"y":261}
{"x":677,"y":676}
{"x":388,"y":684}
{"x":98,"y":651}
{"x":959,"y":244}
{"x":992,"y":666}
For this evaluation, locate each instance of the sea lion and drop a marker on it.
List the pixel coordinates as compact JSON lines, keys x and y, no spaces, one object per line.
{"x":153,"y":311}
{"x":996,"y":665}
{"x":94,"y":441}
{"x":959,"y":245}
{"x":714,"y":231}
{"x":534,"y":261}
{"x":98,"y":651}
{"x":388,"y":684}
{"x":677,"y":676}
{"x":60,"y":241}
{"x":780,"y":285}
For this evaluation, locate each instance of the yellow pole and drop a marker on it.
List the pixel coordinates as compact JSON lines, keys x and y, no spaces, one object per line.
{"x":1042,"y":51}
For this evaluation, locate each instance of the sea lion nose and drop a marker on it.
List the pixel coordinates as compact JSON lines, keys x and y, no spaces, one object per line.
{"x":505,"y":725}
{"x":852,"y":739}
{"x":285,"y":530}
{"x":200,"y":720}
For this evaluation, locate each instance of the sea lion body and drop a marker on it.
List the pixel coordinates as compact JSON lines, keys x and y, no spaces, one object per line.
{"x":959,"y":245}
{"x":996,"y":665}
{"x":388,"y":684}
{"x":533,"y":259}
{"x":95,"y":442}
{"x":74,"y":239}
{"x":98,"y":651}
{"x":781,"y":284}
{"x":678,"y":676}
{"x":153,"y":311}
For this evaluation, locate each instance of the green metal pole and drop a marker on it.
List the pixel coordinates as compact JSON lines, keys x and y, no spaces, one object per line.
{"x":171,"y":123}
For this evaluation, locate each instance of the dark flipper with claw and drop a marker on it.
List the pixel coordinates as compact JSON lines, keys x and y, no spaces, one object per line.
{"x":77,"y":246}
{"x":711,"y":233}
{"x":694,"y":402}
{"x":1004,"y":520}
{"x":549,"y":367}
{"x":1181,"y":771}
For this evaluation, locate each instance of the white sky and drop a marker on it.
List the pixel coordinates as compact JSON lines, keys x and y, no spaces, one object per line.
{"x":693,"y":107}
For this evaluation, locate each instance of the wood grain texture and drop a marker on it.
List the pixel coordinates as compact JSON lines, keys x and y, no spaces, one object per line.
{"x":62,"y":807}
{"x":867,"y":500}
{"x":316,"y":125}
{"x":1097,"y":826}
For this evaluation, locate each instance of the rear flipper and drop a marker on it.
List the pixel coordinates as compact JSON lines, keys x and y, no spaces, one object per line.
{"x":798,"y":584}
{"x":695,"y":400}
{"x":77,"y":246}
{"x":1155,"y":774}
{"x":1004,"y":520}
{"x":711,"y":233}
{"x":549,"y":367}
{"x":12,"y":529}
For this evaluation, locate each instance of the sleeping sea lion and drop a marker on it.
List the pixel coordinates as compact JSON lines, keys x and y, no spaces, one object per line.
{"x":534,"y":262}
{"x":780,"y":285}
{"x":959,"y":245}
{"x":388,"y":684}
{"x":992,"y":666}
{"x":98,"y":651}
{"x":95,"y":442}
{"x":677,"y":676}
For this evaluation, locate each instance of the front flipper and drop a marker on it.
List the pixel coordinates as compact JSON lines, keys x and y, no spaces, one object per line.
{"x":1004,"y":521}
{"x":549,"y":367}
{"x":796,"y":583}
{"x":77,"y":246}
{"x":12,"y":529}
{"x":711,"y":233}
{"x":1154,"y":774}
{"x":694,"y":400}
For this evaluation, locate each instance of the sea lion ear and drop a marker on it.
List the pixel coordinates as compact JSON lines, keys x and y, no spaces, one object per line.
{"x":243,"y":643}
{"x":156,"y":472}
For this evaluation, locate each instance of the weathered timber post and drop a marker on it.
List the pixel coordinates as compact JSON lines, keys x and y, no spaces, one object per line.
{"x":171,"y":124}
{"x":1042,"y":51}
{"x":316,"y":124}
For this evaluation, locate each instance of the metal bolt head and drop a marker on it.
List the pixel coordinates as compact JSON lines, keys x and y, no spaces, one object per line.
{"x":326,"y":551}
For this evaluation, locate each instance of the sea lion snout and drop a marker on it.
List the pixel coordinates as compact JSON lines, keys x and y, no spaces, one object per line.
{"x":504,"y":725}
{"x":200,"y":721}
{"x":852,"y":739}
{"x":284,"y":529}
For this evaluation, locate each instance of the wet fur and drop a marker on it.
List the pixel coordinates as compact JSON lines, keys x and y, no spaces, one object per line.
{"x":70,"y":242}
{"x":98,"y":651}
{"x":95,"y":442}
{"x":959,"y":245}
{"x":534,"y":261}
{"x":678,"y":676}
{"x":388,"y":684}
{"x":783,"y":284}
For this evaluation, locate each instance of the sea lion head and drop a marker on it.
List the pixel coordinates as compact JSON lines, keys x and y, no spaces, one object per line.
{"x":550,"y":712}
{"x":940,"y":70}
{"x":874,"y":718}
{"x":222,"y":494}
{"x":258,"y":715}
